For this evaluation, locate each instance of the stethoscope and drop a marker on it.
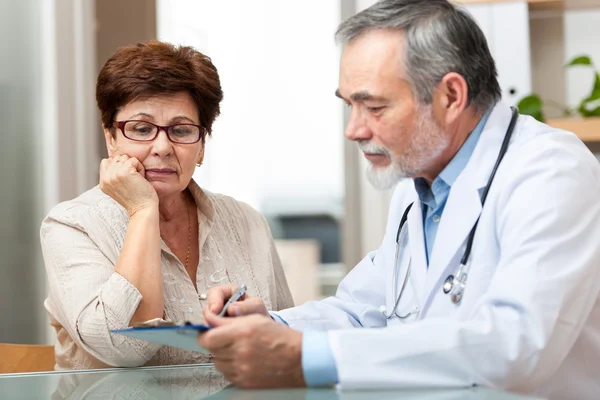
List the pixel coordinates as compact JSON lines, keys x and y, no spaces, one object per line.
{"x":455,"y":284}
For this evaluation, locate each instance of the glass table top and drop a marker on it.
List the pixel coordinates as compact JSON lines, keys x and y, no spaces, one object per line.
{"x":193,"y":382}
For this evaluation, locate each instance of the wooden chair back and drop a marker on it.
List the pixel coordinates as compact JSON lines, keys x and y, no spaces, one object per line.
{"x":15,"y":358}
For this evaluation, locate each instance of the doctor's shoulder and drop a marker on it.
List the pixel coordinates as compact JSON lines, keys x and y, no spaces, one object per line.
{"x":403,"y":195}
{"x":556,"y":149}
{"x":546,"y":172}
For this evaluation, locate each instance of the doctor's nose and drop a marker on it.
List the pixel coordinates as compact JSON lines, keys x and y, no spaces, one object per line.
{"x":357,"y":128}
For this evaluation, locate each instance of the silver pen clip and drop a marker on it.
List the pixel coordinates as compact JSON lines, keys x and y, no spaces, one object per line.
{"x":234,"y":297}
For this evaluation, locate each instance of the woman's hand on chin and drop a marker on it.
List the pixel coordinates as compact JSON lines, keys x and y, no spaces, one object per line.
{"x":123,"y":178}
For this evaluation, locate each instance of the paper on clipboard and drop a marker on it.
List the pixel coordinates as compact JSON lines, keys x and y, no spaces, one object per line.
{"x":183,"y":335}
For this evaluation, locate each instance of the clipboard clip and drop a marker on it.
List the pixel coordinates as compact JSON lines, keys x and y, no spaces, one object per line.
{"x":153,"y":323}
{"x":158,"y":322}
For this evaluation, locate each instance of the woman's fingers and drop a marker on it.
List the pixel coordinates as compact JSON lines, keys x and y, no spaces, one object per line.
{"x":123,"y":178}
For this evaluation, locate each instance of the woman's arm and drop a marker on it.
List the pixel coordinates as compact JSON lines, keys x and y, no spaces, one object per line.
{"x":122,"y":178}
{"x":283,"y":296}
{"x":89,"y":294}
{"x":140,"y":263}
{"x":89,"y":298}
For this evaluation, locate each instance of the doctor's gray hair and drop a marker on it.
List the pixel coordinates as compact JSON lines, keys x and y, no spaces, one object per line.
{"x":439,"y":38}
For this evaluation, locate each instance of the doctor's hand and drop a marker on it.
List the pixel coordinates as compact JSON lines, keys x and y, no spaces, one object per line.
{"x":218,"y":296}
{"x":254,"y":351}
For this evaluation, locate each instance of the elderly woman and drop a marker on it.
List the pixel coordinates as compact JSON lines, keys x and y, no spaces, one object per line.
{"x":148,"y":242}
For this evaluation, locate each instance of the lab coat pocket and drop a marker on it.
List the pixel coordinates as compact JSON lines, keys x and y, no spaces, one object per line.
{"x":478,"y":283}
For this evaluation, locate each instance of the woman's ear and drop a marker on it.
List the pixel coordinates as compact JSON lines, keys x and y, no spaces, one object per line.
{"x":110,"y":142}
{"x":201,"y":155}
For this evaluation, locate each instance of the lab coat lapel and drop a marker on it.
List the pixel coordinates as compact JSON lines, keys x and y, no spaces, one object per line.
{"x":460,"y":214}
{"x":463,"y":206}
{"x":417,"y":251}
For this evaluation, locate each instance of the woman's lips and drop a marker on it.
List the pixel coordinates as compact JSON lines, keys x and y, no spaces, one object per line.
{"x":159,"y":172}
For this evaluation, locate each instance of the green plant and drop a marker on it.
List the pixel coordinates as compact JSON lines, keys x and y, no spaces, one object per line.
{"x":588,"y":107}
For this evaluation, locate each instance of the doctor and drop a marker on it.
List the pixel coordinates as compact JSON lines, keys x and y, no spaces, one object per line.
{"x":489,"y":271}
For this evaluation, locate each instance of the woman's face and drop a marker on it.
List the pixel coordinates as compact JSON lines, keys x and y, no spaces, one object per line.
{"x":169,"y":166}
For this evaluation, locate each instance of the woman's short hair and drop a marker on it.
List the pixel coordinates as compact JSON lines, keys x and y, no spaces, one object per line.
{"x":157,"y":68}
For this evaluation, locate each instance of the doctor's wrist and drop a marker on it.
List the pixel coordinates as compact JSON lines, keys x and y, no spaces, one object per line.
{"x":298,"y":372}
{"x":318,"y":362}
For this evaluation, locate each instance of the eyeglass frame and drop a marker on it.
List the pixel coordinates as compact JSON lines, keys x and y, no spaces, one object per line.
{"x":121,"y":126}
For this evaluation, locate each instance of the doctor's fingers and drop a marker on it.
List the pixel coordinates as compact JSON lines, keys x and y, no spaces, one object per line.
{"x":224,"y":336}
{"x":236,"y":332}
{"x":217,"y":297}
{"x":247,"y":307}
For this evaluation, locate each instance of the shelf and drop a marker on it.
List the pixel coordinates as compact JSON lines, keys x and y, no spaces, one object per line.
{"x":588,"y":129}
{"x":562,"y":5}
{"x":507,"y":1}
{"x":543,"y":5}
{"x":530,"y":2}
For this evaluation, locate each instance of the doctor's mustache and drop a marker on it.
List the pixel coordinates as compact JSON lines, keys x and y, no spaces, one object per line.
{"x":367,"y":147}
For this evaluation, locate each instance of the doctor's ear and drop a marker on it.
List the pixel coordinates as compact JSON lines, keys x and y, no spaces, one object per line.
{"x":451,"y":96}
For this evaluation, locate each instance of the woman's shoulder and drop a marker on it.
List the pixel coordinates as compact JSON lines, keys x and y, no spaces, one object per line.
{"x":83,"y":209}
{"x":225,"y":205}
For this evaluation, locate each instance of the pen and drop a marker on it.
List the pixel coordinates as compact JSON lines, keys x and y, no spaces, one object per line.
{"x":234,"y":297}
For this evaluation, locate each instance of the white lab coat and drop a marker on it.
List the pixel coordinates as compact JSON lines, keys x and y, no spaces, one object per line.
{"x":530,"y":317}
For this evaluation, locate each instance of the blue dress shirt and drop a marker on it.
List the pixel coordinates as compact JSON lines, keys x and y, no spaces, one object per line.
{"x":318,"y":363}
{"x":433,"y":199}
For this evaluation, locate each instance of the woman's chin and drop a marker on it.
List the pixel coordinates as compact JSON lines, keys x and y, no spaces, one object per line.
{"x":164,"y":189}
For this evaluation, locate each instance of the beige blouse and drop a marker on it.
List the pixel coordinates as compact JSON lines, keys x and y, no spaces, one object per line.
{"x":81,"y":242}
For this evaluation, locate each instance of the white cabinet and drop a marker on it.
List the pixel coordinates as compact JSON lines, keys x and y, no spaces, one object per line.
{"x":483,"y":15}
{"x":509,"y":45}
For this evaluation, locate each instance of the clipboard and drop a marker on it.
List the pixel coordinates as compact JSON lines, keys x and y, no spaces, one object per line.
{"x":181,"y":335}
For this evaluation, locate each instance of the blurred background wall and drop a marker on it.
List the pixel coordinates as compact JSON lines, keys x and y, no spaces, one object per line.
{"x":278,"y":144}
{"x":21,"y":279}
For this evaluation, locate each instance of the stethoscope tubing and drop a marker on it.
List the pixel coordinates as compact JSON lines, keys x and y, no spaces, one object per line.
{"x":460,"y":280}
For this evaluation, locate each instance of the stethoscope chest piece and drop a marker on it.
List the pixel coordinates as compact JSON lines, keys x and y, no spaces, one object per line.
{"x":448,"y":284}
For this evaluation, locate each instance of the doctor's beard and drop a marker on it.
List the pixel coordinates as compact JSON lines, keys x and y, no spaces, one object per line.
{"x":423,"y":148}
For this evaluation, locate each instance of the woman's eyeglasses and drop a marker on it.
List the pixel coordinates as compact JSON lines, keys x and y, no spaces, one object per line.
{"x":144,"y":131}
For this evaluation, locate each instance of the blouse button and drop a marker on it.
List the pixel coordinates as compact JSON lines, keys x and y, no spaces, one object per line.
{"x":203,"y":296}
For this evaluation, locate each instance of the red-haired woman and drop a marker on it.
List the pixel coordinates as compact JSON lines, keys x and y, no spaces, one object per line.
{"x":148,"y":242}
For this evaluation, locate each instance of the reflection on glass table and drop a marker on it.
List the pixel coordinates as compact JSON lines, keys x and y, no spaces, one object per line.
{"x":168,"y":382}
{"x":193,"y":382}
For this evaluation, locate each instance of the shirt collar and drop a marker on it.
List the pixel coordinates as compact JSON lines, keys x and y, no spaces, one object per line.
{"x":448,"y":176}
{"x":461,"y":158}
